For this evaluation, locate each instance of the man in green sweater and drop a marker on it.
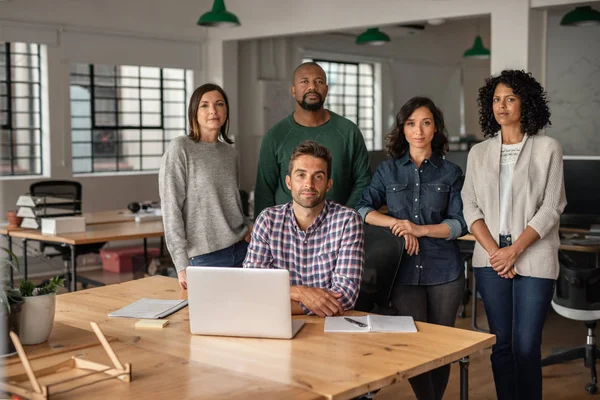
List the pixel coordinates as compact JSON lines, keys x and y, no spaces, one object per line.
{"x":351,"y":173}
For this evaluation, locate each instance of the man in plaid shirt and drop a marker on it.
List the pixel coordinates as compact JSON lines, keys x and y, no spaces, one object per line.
{"x":319,"y":241}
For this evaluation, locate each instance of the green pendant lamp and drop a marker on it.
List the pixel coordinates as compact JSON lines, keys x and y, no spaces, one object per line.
{"x":478,"y":51}
{"x":372,"y":37}
{"x":581,"y":16}
{"x":219,"y":17}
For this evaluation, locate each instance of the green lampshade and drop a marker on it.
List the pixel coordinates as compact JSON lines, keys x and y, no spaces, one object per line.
{"x":477,"y":51}
{"x":219,"y":17}
{"x":581,"y":16}
{"x":372,"y":37}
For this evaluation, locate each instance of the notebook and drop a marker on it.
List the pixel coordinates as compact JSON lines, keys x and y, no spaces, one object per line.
{"x":370,"y":323}
{"x":150,"y":308}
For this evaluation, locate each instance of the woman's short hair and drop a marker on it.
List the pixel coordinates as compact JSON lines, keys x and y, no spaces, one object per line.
{"x":396,"y":143}
{"x":194,"y":128}
{"x":535,"y":114}
{"x":313,"y":149}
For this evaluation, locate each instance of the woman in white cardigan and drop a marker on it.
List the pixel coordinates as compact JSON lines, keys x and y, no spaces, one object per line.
{"x":513,"y":196}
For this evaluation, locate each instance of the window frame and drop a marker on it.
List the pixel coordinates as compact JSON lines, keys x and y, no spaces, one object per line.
{"x":9,"y":126}
{"x":117,"y":128}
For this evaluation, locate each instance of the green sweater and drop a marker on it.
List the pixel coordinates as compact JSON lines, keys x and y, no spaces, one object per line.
{"x":350,"y":169}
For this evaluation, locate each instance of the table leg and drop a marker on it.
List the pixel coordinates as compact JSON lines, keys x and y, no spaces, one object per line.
{"x":73,"y":269}
{"x":25,"y":259}
{"x":464,"y":378}
{"x":145,"y":254}
{"x":12,"y":278}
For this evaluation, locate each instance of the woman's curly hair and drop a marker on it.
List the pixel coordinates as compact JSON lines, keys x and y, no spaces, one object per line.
{"x":396,"y":144}
{"x":535,"y":114}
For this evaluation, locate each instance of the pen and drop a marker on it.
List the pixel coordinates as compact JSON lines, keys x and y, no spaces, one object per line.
{"x":355,"y":322}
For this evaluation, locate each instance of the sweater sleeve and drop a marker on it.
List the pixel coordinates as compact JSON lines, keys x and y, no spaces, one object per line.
{"x":361,"y":172}
{"x":267,"y":176}
{"x":172,"y":180}
{"x":471,"y":210}
{"x":554,"y":201}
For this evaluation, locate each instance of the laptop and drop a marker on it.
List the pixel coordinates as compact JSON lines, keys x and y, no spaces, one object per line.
{"x":241,"y":302}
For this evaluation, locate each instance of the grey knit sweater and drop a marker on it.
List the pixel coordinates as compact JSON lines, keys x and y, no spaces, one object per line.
{"x":201,"y":206}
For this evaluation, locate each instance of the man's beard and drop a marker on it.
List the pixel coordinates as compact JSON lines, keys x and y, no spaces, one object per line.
{"x":311,"y":106}
{"x":309,"y":203}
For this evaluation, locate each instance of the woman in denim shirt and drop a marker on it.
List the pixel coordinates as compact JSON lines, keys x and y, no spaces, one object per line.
{"x":422,"y":193}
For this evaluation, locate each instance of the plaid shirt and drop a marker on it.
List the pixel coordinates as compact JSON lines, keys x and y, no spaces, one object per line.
{"x":329,"y":255}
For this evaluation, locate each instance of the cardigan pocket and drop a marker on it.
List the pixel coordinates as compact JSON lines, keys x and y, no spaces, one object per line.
{"x":436,"y":196}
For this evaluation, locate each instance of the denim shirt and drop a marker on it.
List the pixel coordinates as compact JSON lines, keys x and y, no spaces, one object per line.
{"x":425,"y":196}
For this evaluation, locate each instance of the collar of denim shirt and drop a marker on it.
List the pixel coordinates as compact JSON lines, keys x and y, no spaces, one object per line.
{"x":434,"y":160}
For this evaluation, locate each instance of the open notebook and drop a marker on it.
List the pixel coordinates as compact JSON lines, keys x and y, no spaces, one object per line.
{"x":370,"y":323}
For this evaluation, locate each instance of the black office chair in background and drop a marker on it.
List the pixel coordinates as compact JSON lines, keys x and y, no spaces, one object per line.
{"x":383,"y":254}
{"x":577,"y":297}
{"x":72,"y":192}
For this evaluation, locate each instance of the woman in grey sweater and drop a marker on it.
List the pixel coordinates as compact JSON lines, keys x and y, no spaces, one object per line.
{"x":513,"y":196}
{"x":198,"y":183}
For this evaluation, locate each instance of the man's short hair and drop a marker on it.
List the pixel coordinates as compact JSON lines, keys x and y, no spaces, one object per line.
{"x":313,"y":149}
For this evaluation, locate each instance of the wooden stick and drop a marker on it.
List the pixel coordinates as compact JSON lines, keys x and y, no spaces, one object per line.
{"x":34,"y":382}
{"x":111,"y":354}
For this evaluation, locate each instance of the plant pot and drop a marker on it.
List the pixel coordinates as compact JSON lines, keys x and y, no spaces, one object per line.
{"x":13,"y":220}
{"x":9,"y":322}
{"x":37,"y":318}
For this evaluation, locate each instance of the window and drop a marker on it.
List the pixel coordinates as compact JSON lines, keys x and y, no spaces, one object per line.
{"x":122,"y":117}
{"x":20,"y":109}
{"x":352,"y":94}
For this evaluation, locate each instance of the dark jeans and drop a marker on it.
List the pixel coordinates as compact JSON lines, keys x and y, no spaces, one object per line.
{"x":232,"y":256}
{"x":516,"y":310}
{"x":436,"y":304}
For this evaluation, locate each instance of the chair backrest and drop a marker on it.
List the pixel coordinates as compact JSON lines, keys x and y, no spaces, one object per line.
{"x":383,"y":254}
{"x":70,"y":190}
{"x":578,"y":288}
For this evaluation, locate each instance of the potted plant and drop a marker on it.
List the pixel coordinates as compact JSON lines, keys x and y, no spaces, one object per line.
{"x":37,"y":314}
{"x":10,"y":303}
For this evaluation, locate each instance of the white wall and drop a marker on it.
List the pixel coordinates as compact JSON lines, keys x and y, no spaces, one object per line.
{"x":426,"y":64}
{"x":573,"y":86}
{"x":134,"y":32}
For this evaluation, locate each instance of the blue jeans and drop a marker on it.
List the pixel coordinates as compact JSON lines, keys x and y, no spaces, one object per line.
{"x":232,"y":256}
{"x":516,"y":310}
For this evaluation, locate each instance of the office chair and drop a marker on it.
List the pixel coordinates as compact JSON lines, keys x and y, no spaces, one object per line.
{"x":71,"y":191}
{"x":577,"y":297}
{"x":383,"y":254}
{"x":466,"y":251}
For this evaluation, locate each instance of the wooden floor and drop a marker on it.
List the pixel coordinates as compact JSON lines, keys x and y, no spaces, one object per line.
{"x":565,"y":381}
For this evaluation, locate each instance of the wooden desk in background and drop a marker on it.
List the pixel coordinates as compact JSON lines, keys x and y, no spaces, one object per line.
{"x":98,"y":233}
{"x":336,"y":366}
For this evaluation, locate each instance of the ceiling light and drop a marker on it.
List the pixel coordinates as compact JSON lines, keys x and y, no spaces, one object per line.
{"x":478,"y":51}
{"x":436,"y":22}
{"x":581,"y":16}
{"x":219,"y":17}
{"x":372,"y":37}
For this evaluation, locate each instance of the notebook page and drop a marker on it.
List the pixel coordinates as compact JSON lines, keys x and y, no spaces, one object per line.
{"x":340,"y":324}
{"x":388,"y":323}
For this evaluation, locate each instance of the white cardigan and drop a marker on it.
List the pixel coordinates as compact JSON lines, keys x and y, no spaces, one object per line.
{"x":538,"y":198}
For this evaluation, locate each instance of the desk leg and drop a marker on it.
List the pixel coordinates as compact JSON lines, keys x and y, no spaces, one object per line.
{"x":145,"y":255}
{"x":73,"y":269}
{"x":12,"y":278}
{"x":25,"y":259}
{"x":464,"y":378}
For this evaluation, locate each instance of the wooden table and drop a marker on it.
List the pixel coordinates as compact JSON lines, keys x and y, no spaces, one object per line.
{"x":109,"y":216}
{"x":98,"y":233}
{"x":162,"y":376}
{"x":337,"y":366}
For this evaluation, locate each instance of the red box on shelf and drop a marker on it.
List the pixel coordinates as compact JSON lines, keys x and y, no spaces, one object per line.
{"x":118,"y":259}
